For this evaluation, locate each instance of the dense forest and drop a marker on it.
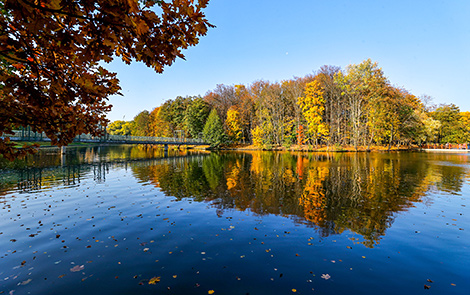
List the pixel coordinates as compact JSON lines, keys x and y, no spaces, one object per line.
{"x":356,"y":107}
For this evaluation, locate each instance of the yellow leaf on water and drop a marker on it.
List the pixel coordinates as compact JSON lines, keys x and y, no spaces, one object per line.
{"x":154,"y":280}
{"x":294,"y":290}
{"x":211,"y":292}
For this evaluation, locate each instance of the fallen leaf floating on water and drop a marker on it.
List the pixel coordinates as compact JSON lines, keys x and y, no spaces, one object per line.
{"x":77,"y":268}
{"x":211,"y":292}
{"x":294,"y":290}
{"x":25,"y":282}
{"x":154,"y":280}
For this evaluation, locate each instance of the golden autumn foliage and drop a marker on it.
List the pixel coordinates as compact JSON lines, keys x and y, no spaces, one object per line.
{"x":234,"y":124}
{"x":312,"y":106}
{"x":158,"y":125}
{"x":356,"y":107}
{"x":257,"y":135}
{"x":313,"y":198}
{"x":51,"y":55}
{"x":465,"y":123}
{"x":233,"y":176}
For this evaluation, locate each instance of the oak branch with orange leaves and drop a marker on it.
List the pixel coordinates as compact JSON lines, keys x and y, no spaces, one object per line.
{"x":50,"y":52}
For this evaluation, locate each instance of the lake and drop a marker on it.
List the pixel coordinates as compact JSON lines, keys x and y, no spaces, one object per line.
{"x":134,"y":220}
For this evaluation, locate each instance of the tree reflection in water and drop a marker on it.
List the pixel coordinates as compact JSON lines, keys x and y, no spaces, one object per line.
{"x":330,"y":192}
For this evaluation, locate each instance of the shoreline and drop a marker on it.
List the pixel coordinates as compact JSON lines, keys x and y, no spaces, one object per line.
{"x":323,"y":149}
{"x":293,"y":148}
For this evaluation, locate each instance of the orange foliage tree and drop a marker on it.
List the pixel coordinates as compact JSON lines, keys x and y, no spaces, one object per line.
{"x":51,"y":78}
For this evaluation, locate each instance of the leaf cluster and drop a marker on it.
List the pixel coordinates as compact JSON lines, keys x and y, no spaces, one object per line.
{"x":51,"y":54}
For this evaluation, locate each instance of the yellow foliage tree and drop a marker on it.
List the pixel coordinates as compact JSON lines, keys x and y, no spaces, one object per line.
{"x":312,"y":105}
{"x":257,"y":134}
{"x":234,"y":124}
{"x":159,"y":127}
{"x":465,"y":122}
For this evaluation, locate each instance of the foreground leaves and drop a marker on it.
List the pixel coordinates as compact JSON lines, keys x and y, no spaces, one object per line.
{"x":154,"y":280}
{"x":50,"y":53}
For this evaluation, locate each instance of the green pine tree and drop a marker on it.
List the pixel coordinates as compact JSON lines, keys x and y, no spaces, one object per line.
{"x":213,"y":132}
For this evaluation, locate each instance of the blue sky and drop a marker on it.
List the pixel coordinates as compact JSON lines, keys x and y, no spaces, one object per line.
{"x":423,"y":46}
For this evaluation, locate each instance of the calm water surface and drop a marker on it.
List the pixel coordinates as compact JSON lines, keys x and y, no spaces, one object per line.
{"x":131,"y":220}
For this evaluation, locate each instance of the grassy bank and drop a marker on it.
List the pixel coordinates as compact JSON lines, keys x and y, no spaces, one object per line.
{"x":310,"y":148}
{"x":248,"y":147}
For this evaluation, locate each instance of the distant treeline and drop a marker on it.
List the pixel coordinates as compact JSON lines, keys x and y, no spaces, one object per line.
{"x":355,"y":107}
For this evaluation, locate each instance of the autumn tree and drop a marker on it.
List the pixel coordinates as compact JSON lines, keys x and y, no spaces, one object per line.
{"x":335,"y":106}
{"x":51,"y":55}
{"x":173,"y":111}
{"x":121,"y":127}
{"x":450,"y":130}
{"x":246,"y":109}
{"x":258,"y":136}
{"x":291,"y":90}
{"x":411,"y":123}
{"x":270,"y":110}
{"x":221,"y":98}
{"x":312,"y":105}
{"x":465,"y":123}
{"x":234,"y":125}
{"x":362,"y":85}
{"x":428,"y":127}
{"x":355,"y":105}
{"x":142,"y":124}
{"x":159,"y":127}
{"x":115,"y":127}
{"x":393,"y":116}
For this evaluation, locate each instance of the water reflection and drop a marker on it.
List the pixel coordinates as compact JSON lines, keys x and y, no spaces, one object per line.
{"x":332,"y":193}
{"x":49,"y":168}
